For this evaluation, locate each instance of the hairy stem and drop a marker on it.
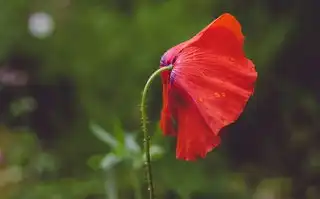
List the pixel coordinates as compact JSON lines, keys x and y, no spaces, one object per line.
{"x":146,"y":139}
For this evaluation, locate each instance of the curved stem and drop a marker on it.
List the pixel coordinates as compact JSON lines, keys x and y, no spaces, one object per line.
{"x":146,"y":139}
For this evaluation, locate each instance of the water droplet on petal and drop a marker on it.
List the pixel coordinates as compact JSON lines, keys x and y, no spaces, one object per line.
{"x":217,"y":95}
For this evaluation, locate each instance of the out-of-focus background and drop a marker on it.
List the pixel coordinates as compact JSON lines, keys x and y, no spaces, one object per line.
{"x":71,"y":75}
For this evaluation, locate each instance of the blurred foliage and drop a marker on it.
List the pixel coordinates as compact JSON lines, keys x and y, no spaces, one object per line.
{"x":64,"y":64}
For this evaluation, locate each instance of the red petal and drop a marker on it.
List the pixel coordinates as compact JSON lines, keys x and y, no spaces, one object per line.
{"x":195,"y":138}
{"x":166,"y":124}
{"x":222,"y":36}
{"x":227,"y":21}
{"x":219,"y":85}
{"x":213,"y":80}
{"x":213,"y":70}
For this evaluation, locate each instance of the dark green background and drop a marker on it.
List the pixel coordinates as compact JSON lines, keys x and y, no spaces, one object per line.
{"x":91,"y":70}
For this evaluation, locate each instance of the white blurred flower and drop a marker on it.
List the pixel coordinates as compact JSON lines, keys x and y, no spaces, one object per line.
{"x":41,"y":25}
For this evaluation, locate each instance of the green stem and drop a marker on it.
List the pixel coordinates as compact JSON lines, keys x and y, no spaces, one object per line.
{"x":146,"y":139}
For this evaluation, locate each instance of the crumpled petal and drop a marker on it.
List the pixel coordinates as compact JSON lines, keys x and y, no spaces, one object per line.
{"x":209,"y":86}
{"x":216,"y":74}
{"x":218,"y":85}
{"x":195,"y":138}
{"x":166,"y":124}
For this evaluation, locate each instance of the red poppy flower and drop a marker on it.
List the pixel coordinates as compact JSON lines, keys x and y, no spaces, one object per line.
{"x":208,"y":87}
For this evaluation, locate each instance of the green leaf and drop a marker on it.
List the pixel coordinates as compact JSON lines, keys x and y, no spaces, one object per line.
{"x":118,"y":131}
{"x":94,"y":161}
{"x":109,"y":161}
{"x":131,"y":144}
{"x":156,"y":151}
{"x":119,"y":134}
{"x":104,"y":136}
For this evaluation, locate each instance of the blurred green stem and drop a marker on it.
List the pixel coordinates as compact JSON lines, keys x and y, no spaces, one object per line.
{"x":146,"y":139}
{"x":136,"y":185}
{"x":111,"y":185}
